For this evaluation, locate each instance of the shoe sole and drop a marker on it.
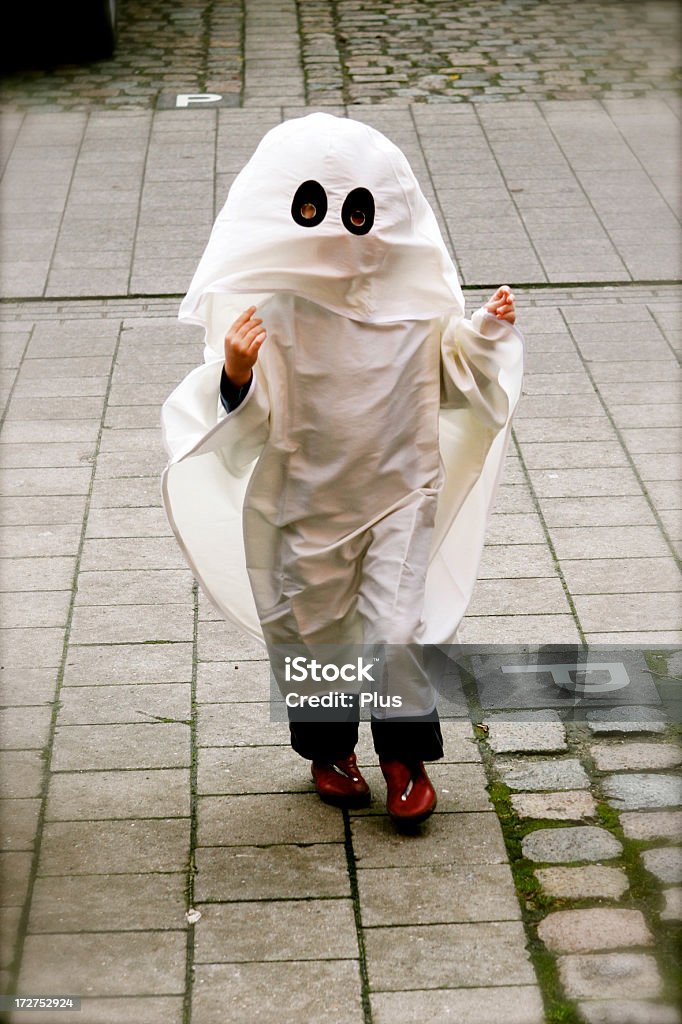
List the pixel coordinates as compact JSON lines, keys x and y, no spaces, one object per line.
{"x":411,"y":821}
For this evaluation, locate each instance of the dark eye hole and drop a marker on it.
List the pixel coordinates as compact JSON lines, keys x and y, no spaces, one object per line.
{"x":309,"y":207}
{"x":357,"y":212}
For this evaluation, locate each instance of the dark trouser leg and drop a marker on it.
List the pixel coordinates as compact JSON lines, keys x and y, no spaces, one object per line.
{"x":408,"y":740}
{"x":320,"y":741}
{"x":324,"y":735}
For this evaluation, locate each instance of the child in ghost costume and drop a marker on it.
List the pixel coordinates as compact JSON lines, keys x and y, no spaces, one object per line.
{"x":333,"y":461}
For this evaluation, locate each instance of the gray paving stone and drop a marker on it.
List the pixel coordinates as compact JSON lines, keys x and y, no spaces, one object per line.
{"x":106,"y":903}
{"x":520,"y":528}
{"x":271,"y":992}
{"x":608,"y":542}
{"x":233,"y":725}
{"x":35,"y":608}
{"x":110,"y":705}
{"x":274,"y":872}
{"x":519,"y":629}
{"x":127,"y":522}
{"x":19,"y":821}
{"x":611,"y":757}
{"x":24,"y":728}
{"x":573,"y":843}
{"x":138,"y":491}
{"x":42,"y":511}
{"x":652,"y":824}
{"x":21,"y":541}
{"x":47,"y":482}
{"x":459,"y":839}
{"x":437,"y":895}
{"x":673,"y":905}
{"x":102,"y":665}
{"x":47,"y":456}
{"x":481,"y":953}
{"x":665,"y":863}
{"x":21,"y":774}
{"x":9,"y":927}
{"x":239,"y":770}
{"x":610,"y":975}
{"x":114,"y":847}
{"x":276,"y":930}
{"x":105,"y":964}
{"x":571,"y":805}
{"x":519,"y":1004}
{"x":526,"y":731}
{"x":532,"y":561}
{"x":638,"y":792}
{"x":589,"y":882}
{"x":92,"y":796}
{"x":267,"y":819}
{"x":566,"y":773}
{"x":626,"y":720}
{"x":620,"y":575}
{"x":131,"y":553}
{"x":523,"y":596}
{"x":592,"y":929}
{"x":157,"y":745}
{"x":144,"y":623}
{"x":228,"y":682}
{"x":15,"y":868}
{"x":628,"y":1011}
{"x":219,"y":641}
{"x":655,"y":611}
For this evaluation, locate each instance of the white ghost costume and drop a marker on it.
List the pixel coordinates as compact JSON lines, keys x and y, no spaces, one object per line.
{"x":346,"y":498}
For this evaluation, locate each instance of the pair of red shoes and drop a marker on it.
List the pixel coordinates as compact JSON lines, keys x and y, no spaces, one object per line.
{"x":410,"y":797}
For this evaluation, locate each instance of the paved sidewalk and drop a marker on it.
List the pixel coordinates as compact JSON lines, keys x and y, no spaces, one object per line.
{"x":163,"y":853}
{"x":569,"y":192}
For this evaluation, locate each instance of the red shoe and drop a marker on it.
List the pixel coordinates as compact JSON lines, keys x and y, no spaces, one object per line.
{"x":410,"y":797}
{"x":340,"y":782}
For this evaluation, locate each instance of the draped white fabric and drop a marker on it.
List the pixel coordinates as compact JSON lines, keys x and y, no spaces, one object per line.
{"x":348,"y":495}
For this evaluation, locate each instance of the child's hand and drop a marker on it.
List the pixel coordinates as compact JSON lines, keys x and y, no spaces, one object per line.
{"x":501,"y":304}
{"x":242,"y":342}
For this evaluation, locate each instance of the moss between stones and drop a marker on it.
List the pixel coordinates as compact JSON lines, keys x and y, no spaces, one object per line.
{"x":535,"y":903}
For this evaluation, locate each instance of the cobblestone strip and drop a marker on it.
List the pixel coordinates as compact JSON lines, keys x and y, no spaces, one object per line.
{"x":224,"y":48}
{"x":437,"y":53}
{"x":272,"y":59}
{"x":593,"y":835}
{"x":322,"y":67}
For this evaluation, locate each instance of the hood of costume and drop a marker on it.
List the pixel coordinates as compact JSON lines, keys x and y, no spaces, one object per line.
{"x":375,"y":404}
{"x":399,"y":269}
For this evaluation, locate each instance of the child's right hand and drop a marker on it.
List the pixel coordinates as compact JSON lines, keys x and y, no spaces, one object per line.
{"x":242,"y":342}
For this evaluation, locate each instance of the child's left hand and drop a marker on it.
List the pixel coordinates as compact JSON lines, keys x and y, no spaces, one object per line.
{"x":501,"y":304}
